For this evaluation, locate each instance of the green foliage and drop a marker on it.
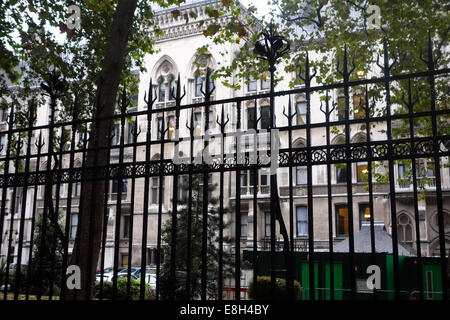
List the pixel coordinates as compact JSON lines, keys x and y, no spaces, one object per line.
{"x":34,"y":36}
{"x":327,"y":27}
{"x":196,"y":244}
{"x":2,"y":271}
{"x":264,"y":289}
{"x":47,"y":249}
{"x":107,"y":293}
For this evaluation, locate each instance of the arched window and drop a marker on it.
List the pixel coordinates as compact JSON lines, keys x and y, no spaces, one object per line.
{"x":161,"y":92}
{"x":173,"y":89}
{"x":199,"y":67}
{"x":165,"y":72}
{"x":301,"y":177}
{"x":300,"y":107}
{"x":341,"y":168}
{"x":264,"y":110}
{"x":198,"y":85}
{"x":405,"y":229}
{"x":362,"y":168}
{"x":211,"y":85}
{"x":359,"y":103}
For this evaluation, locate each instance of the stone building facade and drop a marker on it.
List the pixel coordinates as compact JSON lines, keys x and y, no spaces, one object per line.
{"x":177,"y":56}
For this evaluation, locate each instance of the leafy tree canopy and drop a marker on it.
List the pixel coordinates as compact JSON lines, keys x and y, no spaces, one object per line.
{"x":35,"y":37}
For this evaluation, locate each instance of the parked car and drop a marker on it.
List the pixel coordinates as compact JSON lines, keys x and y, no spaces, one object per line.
{"x":151,"y":280}
{"x":108,"y":274}
{"x":124,"y":272}
{"x":147,"y":272}
{"x":150,"y":276}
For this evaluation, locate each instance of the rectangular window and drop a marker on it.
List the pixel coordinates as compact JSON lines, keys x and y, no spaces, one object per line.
{"x":359,"y":105}
{"x":173,"y":89}
{"x":430,"y":170}
{"x":19,"y":196}
{"x":3,"y":143}
{"x":264,"y":179}
{"x":253,"y":178}
{"x":301,"y":175}
{"x":61,"y":190}
{"x":244,"y":179}
{"x":183,"y":184}
{"x":124,"y":260}
{"x":135,"y":99}
{"x":198,"y":86}
{"x":265,"y":84}
{"x":342,"y":220}
{"x":4,"y":115}
{"x":171,"y":125}
{"x":154,"y":190}
{"x":265,"y":117}
{"x":244,"y":224}
{"x":159,"y":127}
{"x":363,"y":170}
{"x":341,"y":108}
{"x":301,"y":112}
{"x":115,"y":186}
{"x":420,"y":168}
{"x":162,"y":93}
{"x":364,"y":213}
{"x":73,"y":225}
{"x":252,"y":84}
{"x":212,"y":86}
{"x":78,"y":189}
{"x":251,"y":118}
{"x":131,"y":133}
{"x":267,"y":224}
{"x":116,"y":135}
{"x":341,"y":173}
{"x":302,"y":221}
{"x":126,"y":226}
{"x":401,"y":171}
{"x":211,"y":120}
{"x":198,"y":123}
{"x":402,"y":175}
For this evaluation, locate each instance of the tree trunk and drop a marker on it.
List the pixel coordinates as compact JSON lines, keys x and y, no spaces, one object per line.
{"x":88,"y":240}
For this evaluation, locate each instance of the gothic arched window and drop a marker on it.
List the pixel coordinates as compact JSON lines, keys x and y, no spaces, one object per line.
{"x":198,"y":85}
{"x":405,"y":229}
{"x":161,"y":92}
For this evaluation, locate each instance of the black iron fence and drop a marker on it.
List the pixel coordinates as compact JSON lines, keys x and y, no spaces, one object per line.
{"x":168,"y":232}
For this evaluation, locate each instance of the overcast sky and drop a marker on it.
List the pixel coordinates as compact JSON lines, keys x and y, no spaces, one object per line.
{"x":262,"y":5}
